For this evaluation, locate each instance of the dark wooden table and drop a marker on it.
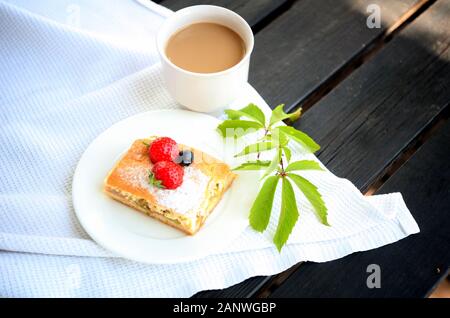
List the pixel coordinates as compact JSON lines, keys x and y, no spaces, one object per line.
{"x":377,"y":101}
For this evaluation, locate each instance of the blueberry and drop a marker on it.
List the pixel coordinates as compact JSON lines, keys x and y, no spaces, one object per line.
{"x":185,"y":157}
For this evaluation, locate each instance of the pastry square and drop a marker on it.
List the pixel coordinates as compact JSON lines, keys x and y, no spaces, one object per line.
{"x":185,"y":208}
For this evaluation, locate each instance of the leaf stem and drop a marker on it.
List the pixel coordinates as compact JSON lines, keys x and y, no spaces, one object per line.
{"x":282,"y":172}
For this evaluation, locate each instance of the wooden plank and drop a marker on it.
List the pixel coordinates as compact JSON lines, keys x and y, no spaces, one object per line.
{"x":313,"y":40}
{"x":369,"y":120}
{"x":410,"y":267}
{"x":256,"y":13}
{"x":241,"y":290}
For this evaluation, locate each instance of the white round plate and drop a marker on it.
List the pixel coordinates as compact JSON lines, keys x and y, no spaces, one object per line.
{"x":132,"y":234}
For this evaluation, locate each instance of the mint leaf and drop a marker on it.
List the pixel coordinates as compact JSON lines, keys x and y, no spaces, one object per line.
{"x":300,"y":137}
{"x":312,"y":195}
{"x":154,"y":182}
{"x":288,"y":215}
{"x":273,"y":164}
{"x":250,"y":111}
{"x":287,"y":153}
{"x":303,"y":165}
{"x":258,"y":147}
{"x":235,"y":126}
{"x":262,"y":206}
{"x":254,"y":165}
{"x":278,"y":114}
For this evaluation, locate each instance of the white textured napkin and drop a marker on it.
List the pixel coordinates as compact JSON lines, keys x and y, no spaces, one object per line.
{"x":61,"y":85}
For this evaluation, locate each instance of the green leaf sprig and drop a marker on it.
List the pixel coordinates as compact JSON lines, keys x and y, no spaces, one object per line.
{"x":276,"y":138}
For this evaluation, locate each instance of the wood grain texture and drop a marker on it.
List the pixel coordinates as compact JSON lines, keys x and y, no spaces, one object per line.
{"x":363,"y":125}
{"x":256,"y":13}
{"x":367,"y":121}
{"x":306,"y":45}
{"x":410,"y":267}
{"x":242,"y":290}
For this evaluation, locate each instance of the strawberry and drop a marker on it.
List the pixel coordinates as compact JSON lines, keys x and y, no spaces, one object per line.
{"x":163,"y":149}
{"x":168,"y":174}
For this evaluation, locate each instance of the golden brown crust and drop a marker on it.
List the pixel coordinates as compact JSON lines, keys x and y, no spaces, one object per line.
{"x":119,"y":188}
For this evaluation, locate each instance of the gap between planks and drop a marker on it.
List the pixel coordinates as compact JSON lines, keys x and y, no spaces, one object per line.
{"x":270,"y":283}
{"x":408,"y":151}
{"x":362,"y":56}
{"x":272,"y":16}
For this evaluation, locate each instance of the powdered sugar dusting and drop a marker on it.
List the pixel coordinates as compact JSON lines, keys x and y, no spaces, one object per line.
{"x":134,"y":175}
{"x":185,"y":199}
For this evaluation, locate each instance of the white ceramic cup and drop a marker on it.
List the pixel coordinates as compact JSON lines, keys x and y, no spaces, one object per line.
{"x":204,"y":92}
